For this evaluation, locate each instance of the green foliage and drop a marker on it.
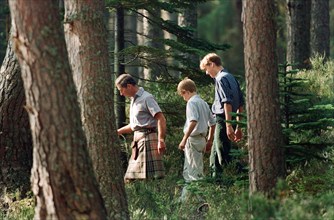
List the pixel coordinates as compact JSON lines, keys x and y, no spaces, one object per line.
{"x":219,"y":21}
{"x":184,"y":48}
{"x":307,"y":110}
{"x":159,"y":199}
{"x":305,"y":194}
{"x":312,"y":178}
{"x":14,"y":206}
{"x":170,"y":6}
{"x":321,"y":78}
{"x":298,"y":207}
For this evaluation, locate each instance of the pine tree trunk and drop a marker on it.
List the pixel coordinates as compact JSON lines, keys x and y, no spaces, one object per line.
{"x":130,"y":38}
{"x":4,"y":28}
{"x":171,"y":62}
{"x":86,"y":37}
{"x":188,"y":19}
{"x":298,"y":32}
{"x":15,"y":133}
{"x":154,"y":62}
{"x":118,"y":65}
{"x":140,"y":40}
{"x":264,"y":130}
{"x":320,"y":34}
{"x":63,"y":179}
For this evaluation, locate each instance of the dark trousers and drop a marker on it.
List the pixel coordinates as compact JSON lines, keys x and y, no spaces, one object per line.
{"x":220,"y":152}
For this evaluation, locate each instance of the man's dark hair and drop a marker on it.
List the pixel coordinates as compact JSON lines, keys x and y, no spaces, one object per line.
{"x":125,"y":79}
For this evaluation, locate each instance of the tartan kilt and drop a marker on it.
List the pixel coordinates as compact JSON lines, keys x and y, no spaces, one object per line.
{"x":148,"y":164}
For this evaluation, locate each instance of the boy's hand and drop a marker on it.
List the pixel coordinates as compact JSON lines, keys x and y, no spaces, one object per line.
{"x":182,"y":145}
{"x":238,"y":135}
{"x":208,"y":146}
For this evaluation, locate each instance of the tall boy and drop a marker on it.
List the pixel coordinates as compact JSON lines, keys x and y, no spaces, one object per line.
{"x":228,"y":98}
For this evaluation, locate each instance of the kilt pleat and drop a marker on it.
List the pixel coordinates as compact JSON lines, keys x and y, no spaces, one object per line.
{"x":149,"y":163}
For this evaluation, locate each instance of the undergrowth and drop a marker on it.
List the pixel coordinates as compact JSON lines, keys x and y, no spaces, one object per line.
{"x":305,"y":194}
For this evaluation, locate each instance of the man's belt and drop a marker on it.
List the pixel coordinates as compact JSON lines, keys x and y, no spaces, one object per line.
{"x":147,"y":130}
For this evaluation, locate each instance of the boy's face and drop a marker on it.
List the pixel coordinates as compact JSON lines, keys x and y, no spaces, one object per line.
{"x":185,"y":95}
{"x":210,"y":70}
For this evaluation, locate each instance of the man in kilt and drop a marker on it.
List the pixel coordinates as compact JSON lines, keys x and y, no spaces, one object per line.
{"x":149,"y":126}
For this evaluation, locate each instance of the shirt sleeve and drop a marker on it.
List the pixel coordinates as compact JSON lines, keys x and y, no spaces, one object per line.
{"x":212,"y":120}
{"x":152,"y":106}
{"x":225,"y":88}
{"x":241,"y":97}
{"x":192,"y":112}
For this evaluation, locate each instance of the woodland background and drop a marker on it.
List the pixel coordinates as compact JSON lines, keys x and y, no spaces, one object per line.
{"x":61,"y":158}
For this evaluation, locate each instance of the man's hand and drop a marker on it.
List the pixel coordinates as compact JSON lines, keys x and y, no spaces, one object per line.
{"x":161,"y":147}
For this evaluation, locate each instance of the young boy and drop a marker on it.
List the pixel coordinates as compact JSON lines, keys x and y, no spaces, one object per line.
{"x":196,"y":139}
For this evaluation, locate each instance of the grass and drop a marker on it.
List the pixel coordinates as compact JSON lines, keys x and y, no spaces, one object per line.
{"x":306,"y":193}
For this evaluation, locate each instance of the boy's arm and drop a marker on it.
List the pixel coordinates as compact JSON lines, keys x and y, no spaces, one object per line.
{"x":210,"y":138}
{"x":238,"y":131}
{"x":228,"y":117}
{"x":190,"y":129}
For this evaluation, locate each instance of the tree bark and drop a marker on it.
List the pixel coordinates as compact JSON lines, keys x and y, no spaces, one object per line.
{"x":140,"y":39}
{"x":320,"y":34}
{"x":118,"y":65}
{"x":15,"y":133}
{"x":154,"y":62}
{"x":86,"y":37}
{"x":188,"y":18}
{"x":171,"y":62}
{"x":4,"y":28}
{"x":63,"y":179}
{"x":298,"y":32}
{"x":265,"y":140}
{"x":130,"y":38}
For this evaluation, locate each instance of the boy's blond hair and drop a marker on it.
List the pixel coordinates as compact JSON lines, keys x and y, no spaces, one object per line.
{"x":186,"y":85}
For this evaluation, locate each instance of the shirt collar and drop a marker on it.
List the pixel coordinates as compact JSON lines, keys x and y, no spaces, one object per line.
{"x":193,"y":97}
{"x":219,"y":73}
{"x":139,"y":92}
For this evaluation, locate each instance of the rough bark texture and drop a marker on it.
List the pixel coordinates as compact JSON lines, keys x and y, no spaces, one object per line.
{"x":4,"y":28}
{"x":298,"y":32}
{"x":154,"y":61}
{"x":130,"y":38}
{"x":172,"y":17}
{"x":188,"y":19}
{"x":320,"y":34}
{"x":263,"y":115}
{"x":15,"y":133}
{"x":86,"y":37}
{"x":140,"y":39}
{"x":118,"y":65}
{"x":63,"y":179}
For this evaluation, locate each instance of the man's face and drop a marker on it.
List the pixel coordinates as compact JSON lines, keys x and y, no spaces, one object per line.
{"x":125,"y":91}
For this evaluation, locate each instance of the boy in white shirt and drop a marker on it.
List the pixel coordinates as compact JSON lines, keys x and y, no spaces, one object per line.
{"x":198,"y":131}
